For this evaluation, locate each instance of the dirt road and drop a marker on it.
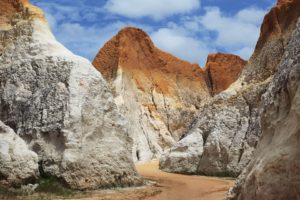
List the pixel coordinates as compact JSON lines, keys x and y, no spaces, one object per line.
{"x":168,"y":187}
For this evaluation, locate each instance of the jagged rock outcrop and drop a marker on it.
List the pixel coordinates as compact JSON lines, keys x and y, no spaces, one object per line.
{"x":274,"y":172}
{"x":18,"y":164}
{"x":229,"y":124}
{"x":222,"y":70}
{"x":156,"y":91}
{"x":60,"y":105}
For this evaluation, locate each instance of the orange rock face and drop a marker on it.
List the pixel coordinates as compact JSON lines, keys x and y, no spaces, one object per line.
{"x":222,"y":70}
{"x":281,"y":19}
{"x":149,"y":82}
{"x":10,"y":8}
{"x":7,"y":9}
{"x":159,"y":93}
{"x":276,"y":31}
{"x":134,"y":52}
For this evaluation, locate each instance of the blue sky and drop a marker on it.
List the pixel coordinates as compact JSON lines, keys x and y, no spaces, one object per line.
{"x":189,"y":29}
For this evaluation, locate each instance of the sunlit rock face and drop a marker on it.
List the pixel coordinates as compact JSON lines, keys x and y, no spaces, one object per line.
{"x":274,"y":172}
{"x":60,"y":105}
{"x":158,"y":93}
{"x":221,"y":70}
{"x":228,"y":126}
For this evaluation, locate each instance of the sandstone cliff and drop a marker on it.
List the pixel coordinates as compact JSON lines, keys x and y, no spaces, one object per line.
{"x":157,"y":92}
{"x":227,"y":129}
{"x":58,"y":106}
{"x":274,"y":172}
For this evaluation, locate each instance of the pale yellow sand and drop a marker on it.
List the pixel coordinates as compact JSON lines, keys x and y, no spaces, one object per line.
{"x":168,"y":187}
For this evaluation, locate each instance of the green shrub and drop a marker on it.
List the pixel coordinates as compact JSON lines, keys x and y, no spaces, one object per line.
{"x":52,"y":185}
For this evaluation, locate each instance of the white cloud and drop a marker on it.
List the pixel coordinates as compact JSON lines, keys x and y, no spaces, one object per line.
{"x":83,"y":39}
{"x":155,"y":9}
{"x":177,"y":41}
{"x":238,"y":33}
{"x":190,"y":37}
{"x":251,"y":15}
{"x":194,"y":37}
{"x":87,"y":41}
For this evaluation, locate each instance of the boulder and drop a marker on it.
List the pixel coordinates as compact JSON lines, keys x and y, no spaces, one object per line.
{"x":18,"y":164}
{"x":60,"y":105}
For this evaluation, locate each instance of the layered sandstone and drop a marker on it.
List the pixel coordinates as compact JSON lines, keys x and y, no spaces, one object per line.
{"x":222,"y":70}
{"x":156,"y":91}
{"x":60,"y":106}
{"x":274,"y":172}
{"x":228,"y":126}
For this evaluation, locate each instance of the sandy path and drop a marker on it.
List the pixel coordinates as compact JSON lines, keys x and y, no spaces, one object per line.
{"x":168,"y":187}
{"x":181,"y":187}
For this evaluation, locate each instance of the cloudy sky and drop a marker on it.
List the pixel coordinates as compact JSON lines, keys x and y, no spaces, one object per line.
{"x":189,"y":29}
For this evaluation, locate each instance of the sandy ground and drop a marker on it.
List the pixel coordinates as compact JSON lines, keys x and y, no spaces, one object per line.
{"x":167,"y":187}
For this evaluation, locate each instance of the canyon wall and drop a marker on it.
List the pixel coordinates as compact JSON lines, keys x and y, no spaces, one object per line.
{"x":274,"y":172}
{"x":59,"y":113}
{"x":222,"y":139}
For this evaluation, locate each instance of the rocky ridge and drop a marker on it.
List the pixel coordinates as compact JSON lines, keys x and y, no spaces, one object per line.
{"x":222,"y":139}
{"x":155,"y":90}
{"x":57,"y":109}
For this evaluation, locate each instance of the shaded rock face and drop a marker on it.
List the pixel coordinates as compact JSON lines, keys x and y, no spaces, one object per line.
{"x":18,"y":164}
{"x":154,"y":90}
{"x":274,"y":172}
{"x":61,"y":106}
{"x":229,"y":124}
{"x":222,"y":70}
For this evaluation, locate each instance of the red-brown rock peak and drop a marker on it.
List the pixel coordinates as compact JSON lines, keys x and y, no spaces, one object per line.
{"x":132,"y":49}
{"x":222,"y":70}
{"x":10,"y":8}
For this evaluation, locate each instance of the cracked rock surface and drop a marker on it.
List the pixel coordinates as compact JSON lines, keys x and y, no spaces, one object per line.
{"x":60,"y":105}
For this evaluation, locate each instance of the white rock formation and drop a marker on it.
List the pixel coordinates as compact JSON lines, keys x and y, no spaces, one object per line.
{"x":61,"y":106}
{"x":18,"y":164}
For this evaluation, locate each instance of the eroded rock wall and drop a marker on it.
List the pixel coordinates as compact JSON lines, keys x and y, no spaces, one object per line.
{"x":274,"y":172}
{"x":229,"y":124}
{"x":61,"y":106}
